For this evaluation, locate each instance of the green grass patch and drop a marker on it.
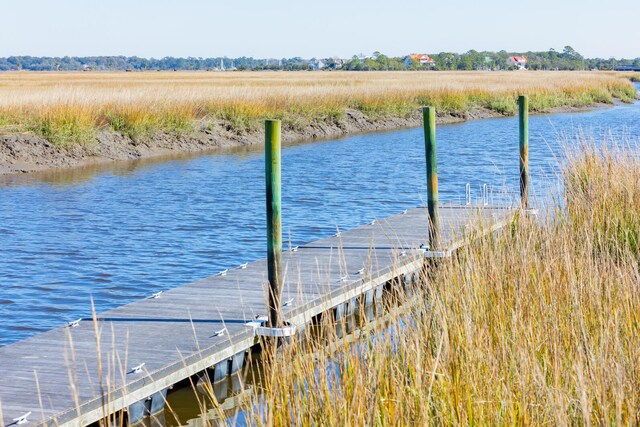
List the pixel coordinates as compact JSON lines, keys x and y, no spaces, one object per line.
{"x":237,"y":118}
{"x":379,"y":108}
{"x":587,"y":97}
{"x":64,"y":129}
{"x":624,"y":93}
{"x":177,"y":123}
{"x":454,"y":102}
{"x":139,"y":124}
{"x":502,"y":104}
{"x":543,"y":102}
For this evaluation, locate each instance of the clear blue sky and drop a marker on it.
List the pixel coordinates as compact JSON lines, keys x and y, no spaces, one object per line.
{"x":285,"y":28}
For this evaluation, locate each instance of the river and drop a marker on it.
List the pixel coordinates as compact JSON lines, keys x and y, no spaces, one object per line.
{"x":123,"y":232}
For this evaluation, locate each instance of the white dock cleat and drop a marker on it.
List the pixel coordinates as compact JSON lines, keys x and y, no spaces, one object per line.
{"x":21,"y":419}
{"x":288,"y":303}
{"x":136,"y":369}
{"x":74,"y":323}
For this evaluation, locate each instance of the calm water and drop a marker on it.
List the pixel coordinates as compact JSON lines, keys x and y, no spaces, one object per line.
{"x":122,"y":233}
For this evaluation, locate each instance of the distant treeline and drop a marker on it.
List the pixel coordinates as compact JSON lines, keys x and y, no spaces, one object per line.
{"x":567,"y":59}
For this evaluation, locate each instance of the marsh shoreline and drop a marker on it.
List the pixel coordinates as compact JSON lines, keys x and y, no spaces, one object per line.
{"x":22,"y":153}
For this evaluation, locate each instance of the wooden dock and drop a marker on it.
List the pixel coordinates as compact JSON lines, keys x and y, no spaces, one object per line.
{"x":67,"y":377}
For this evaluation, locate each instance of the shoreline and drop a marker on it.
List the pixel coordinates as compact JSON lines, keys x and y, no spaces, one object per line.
{"x":26,"y":153}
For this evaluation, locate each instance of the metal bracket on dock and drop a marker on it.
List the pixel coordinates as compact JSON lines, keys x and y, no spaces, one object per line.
{"x":437,"y":254}
{"x":258,"y":321}
{"x":485,"y":195}
{"x":428,"y":253}
{"x":263,"y":331}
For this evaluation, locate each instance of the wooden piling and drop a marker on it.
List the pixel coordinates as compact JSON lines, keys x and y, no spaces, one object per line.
{"x":274,"y":220}
{"x":429,"y":116}
{"x":523,"y":114}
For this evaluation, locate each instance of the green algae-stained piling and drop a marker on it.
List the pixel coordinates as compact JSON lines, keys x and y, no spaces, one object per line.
{"x":523,"y":116}
{"x":274,"y":220}
{"x":429,"y":116}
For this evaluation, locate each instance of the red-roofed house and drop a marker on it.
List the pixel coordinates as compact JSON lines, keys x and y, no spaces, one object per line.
{"x":417,"y":58}
{"x":518,"y":61}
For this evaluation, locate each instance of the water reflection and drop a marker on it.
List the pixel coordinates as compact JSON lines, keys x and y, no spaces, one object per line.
{"x":91,"y":171}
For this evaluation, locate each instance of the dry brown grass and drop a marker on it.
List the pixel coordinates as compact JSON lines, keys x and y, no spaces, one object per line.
{"x":536,"y":326}
{"x":69,"y":107}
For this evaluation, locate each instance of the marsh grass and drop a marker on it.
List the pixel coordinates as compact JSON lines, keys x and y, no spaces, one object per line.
{"x":612,"y":219}
{"x":69,"y":108}
{"x":139,"y":124}
{"x":64,"y":126}
{"x":634,"y":77}
{"x":537,"y":325}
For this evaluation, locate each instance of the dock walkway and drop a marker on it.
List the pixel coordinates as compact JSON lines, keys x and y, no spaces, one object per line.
{"x":67,"y":377}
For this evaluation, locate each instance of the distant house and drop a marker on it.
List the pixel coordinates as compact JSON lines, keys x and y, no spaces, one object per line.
{"x":418,"y":58}
{"x":336,"y":63}
{"x":520,"y":62}
{"x":317,"y":64}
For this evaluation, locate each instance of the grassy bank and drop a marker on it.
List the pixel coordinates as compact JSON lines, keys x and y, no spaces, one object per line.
{"x":634,"y":77}
{"x":536,"y":326}
{"x":70,"y":108}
